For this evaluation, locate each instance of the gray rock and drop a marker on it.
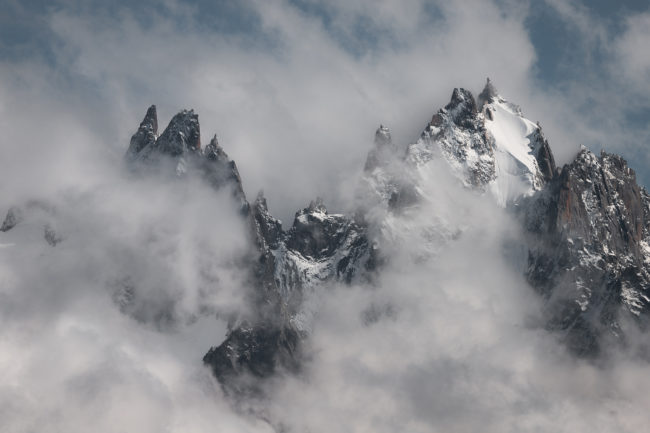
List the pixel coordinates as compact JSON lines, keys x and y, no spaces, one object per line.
{"x":145,"y":136}
{"x":14,"y":216}
{"x":588,"y":236}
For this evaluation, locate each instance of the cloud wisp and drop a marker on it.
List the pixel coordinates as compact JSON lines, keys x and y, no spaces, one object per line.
{"x":109,"y":326}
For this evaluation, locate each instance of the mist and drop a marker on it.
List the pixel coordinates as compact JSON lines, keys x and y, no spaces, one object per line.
{"x":107,"y":328}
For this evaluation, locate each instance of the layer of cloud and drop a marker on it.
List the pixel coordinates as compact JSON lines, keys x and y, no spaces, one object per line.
{"x":295,"y":102}
{"x":452,"y":340}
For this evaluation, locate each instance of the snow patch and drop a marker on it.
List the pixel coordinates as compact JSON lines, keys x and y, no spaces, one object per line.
{"x":517,"y":171}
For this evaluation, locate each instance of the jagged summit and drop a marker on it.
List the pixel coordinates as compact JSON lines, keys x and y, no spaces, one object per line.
{"x":487,"y":95}
{"x":214,"y":151}
{"x":586,"y":225}
{"x":462,"y":107}
{"x":146,"y":134}
{"x":493,"y":148}
{"x":316,"y":206}
{"x":384,"y":150}
{"x":183,"y":134}
{"x":151,"y":119}
{"x":382,"y":136}
{"x":520,"y":149}
{"x":178,"y":151}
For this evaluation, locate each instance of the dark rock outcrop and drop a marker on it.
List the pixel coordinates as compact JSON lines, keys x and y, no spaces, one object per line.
{"x":13,"y":217}
{"x":543,"y":155}
{"x":317,"y":249}
{"x":589,"y":250}
{"x":145,"y":137}
{"x":178,"y":150}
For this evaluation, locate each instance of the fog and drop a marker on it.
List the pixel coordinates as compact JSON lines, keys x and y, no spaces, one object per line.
{"x":106,"y":329}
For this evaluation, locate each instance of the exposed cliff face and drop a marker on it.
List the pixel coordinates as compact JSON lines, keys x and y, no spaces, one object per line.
{"x":589,"y":252}
{"x":146,"y":135}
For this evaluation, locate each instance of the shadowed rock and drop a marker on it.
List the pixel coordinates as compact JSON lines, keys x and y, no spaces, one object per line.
{"x":145,"y":136}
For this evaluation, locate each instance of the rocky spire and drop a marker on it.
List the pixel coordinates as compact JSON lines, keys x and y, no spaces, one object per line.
{"x":145,"y":136}
{"x":382,"y":136}
{"x":213,"y":151}
{"x":269,"y":228}
{"x":487,"y":95}
{"x":182,"y":134}
{"x":543,"y":154}
{"x":151,"y":118}
{"x":462,"y":107}
{"x":461,"y":99}
{"x":14,"y":216}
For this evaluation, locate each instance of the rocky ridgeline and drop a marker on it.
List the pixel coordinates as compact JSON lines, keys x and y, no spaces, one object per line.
{"x":588,"y":250}
{"x":319,"y":247}
{"x":587,"y":228}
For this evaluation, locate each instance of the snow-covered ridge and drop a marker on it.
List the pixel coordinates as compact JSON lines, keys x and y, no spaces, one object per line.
{"x":517,"y":171}
{"x":489,"y":146}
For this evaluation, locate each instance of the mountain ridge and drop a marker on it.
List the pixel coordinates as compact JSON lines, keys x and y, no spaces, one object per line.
{"x":586,"y":228}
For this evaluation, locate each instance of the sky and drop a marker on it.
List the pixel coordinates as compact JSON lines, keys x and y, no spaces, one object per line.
{"x":288,"y":83}
{"x":110,"y":325}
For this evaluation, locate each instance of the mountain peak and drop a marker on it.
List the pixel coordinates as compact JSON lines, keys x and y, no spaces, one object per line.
{"x":214,"y":151}
{"x":146,"y":134}
{"x":461,"y":108}
{"x":383,"y":150}
{"x":317,"y":206}
{"x":382,"y":136}
{"x":487,"y":95}
{"x":183,"y":133}
{"x":462,"y":100}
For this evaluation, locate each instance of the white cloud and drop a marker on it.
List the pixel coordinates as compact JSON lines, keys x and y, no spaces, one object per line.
{"x":631,"y":48}
{"x":297,"y":111}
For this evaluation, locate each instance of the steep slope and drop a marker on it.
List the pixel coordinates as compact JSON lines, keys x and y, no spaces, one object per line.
{"x":178,"y":149}
{"x":589,"y":254}
{"x":318,"y":248}
{"x":587,"y":223}
{"x":489,"y":146}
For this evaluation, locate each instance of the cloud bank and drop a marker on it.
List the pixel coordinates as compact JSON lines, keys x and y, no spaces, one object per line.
{"x":449,"y":343}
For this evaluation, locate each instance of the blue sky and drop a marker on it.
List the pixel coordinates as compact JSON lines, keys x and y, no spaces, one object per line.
{"x":298,"y":83}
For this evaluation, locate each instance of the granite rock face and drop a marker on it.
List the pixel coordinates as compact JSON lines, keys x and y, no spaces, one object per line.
{"x":145,"y":137}
{"x":589,"y":254}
